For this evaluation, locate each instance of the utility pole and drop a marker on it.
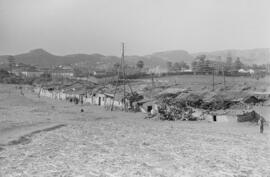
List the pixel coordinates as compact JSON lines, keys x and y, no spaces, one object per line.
{"x":11,"y":62}
{"x":123,"y":73}
{"x":213,"y":80}
{"x":118,"y":80}
{"x":152,"y":80}
{"x":224,"y":81}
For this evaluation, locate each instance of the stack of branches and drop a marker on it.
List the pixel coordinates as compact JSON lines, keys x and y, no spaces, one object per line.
{"x":134,"y":96}
{"x":216,"y":105}
{"x":172,"y":109}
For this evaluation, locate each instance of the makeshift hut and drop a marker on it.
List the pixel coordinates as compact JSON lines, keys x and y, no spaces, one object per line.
{"x":248,"y":117}
{"x":251,"y":100}
{"x":146,"y":105}
{"x":267,"y":103}
{"x":115,"y":101}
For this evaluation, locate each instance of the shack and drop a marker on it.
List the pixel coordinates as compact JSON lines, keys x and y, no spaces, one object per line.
{"x":249,"y":117}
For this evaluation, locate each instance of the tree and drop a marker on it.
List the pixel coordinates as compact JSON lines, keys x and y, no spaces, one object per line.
{"x":169,"y":65}
{"x":116,"y":66}
{"x":238,"y":64}
{"x":200,"y":65}
{"x":140,"y":64}
{"x":11,"y":62}
{"x":194,"y":66}
{"x":229,"y":64}
{"x":176,"y":66}
{"x":183,"y":65}
{"x":201,"y":58}
{"x":4,"y":74}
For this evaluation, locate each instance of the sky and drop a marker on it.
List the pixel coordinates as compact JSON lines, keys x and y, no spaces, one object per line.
{"x":145,"y":26}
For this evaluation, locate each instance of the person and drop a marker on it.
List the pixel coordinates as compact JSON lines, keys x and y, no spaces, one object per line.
{"x":152,"y":112}
{"x":261,"y":124}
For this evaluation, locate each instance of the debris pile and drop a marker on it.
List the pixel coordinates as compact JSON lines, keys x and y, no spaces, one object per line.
{"x":171,"y":109}
{"x":134,"y":96}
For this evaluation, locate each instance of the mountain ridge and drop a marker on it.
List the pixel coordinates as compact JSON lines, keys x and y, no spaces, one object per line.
{"x":43,"y":58}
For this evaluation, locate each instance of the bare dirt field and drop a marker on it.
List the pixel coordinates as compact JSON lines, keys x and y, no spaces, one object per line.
{"x":204,"y":82}
{"x":44,"y":137}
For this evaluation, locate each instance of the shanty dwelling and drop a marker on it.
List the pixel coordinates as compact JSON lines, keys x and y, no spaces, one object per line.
{"x":116,"y":101}
{"x":98,"y":99}
{"x":55,"y":94}
{"x":88,"y":99}
{"x":212,"y":116}
{"x":251,"y":100}
{"x":252,"y":116}
{"x":85,"y":98}
{"x":74,"y":96}
{"x":46,"y":92}
{"x":147,"y":105}
{"x":37,"y":89}
{"x":62,"y":95}
{"x":108,"y":100}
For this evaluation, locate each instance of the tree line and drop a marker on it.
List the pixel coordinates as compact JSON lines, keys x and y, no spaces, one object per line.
{"x":202,"y":65}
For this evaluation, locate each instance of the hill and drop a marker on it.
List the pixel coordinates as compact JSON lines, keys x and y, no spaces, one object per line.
{"x":38,"y":57}
{"x":43,"y":58}
{"x":174,"y":56}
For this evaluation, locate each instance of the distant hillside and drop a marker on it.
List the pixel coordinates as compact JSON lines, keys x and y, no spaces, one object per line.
{"x":38,"y":57}
{"x":250,"y":56}
{"x":174,"y":56}
{"x":43,"y":58}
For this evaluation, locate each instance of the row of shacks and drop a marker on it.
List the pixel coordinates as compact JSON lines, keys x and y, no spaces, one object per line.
{"x":173,"y":103}
{"x":81,"y":92}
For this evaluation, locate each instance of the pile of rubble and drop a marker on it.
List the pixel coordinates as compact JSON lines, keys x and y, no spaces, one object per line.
{"x":180,"y":105}
{"x":171,"y":109}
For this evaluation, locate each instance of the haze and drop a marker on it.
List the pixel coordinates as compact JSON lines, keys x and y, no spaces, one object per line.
{"x":146,"y":26}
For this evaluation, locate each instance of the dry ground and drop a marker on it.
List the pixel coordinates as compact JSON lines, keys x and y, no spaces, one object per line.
{"x":204,"y":82}
{"x":43,"y":137}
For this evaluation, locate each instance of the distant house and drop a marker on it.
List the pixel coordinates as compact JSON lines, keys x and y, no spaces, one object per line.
{"x":32,"y":73}
{"x":157,"y":70}
{"x":107,"y":99}
{"x":99,"y":73}
{"x":62,"y":73}
{"x":249,"y":71}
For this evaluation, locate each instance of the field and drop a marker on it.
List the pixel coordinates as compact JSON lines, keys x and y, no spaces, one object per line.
{"x":44,"y":137}
{"x":205,"y":83}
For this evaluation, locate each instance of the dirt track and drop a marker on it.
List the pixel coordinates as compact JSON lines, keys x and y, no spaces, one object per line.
{"x":100,"y":143}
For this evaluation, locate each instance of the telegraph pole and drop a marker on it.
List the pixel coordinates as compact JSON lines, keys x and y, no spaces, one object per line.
{"x":11,"y":62}
{"x":152,"y":81}
{"x":213,"y":80}
{"x":224,"y":81}
{"x":123,"y":73}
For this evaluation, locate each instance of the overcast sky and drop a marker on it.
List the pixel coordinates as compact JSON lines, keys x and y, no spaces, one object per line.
{"x":146,"y":26}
